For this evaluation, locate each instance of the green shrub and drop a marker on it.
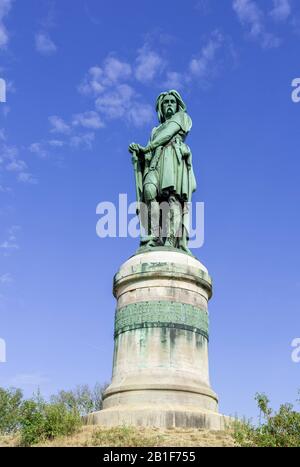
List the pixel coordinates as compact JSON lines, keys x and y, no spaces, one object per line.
{"x":32,"y":422}
{"x":38,"y":420}
{"x":60,"y":421}
{"x":281,"y":429}
{"x":10,"y":404}
{"x":42,"y":421}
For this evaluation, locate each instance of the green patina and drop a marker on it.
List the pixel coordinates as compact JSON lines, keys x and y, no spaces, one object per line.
{"x":145,"y":267}
{"x":163,"y":172}
{"x":161,"y":314}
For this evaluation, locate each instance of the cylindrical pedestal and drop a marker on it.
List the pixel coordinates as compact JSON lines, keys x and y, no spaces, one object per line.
{"x":160,"y":368}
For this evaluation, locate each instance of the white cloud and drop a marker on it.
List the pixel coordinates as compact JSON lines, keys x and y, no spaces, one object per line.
{"x":113,"y":83}
{"x":57,"y":143}
{"x":5,"y":6}
{"x":115,"y":70}
{"x":85,"y":140}
{"x":149,"y":64}
{"x":99,"y":78}
{"x":59,"y":125}
{"x":115,"y":103}
{"x":11,"y":242}
{"x":140,"y":114}
{"x":38,"y":149}
{"x":174,"y":80}
{"x":123,"y":102}
{"x":251,"y":16}
{"x":72,"y":137}
{"x":6,"y":245}
{"x":281,"y":10}
{"x":92,"y":84}
{"x":11,"y":163}
{"x":8,"y":152}
{"x":16,"y":166}
{"x":6,"y":279}
{"x":202,"y":66}
{"x":249,"y":13}
{"x":44,"y":45}
{"x":26,"y":177}
{"x":111,"y":86}
{"x":89,"y":119}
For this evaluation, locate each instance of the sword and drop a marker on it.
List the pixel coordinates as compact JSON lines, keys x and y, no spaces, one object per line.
{"x":134,"y":160}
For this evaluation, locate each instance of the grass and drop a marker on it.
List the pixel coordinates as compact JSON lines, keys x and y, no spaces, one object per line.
{"x":134,"y":437}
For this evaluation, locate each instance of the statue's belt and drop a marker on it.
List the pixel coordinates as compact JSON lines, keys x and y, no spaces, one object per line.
{"x":175,"y":143}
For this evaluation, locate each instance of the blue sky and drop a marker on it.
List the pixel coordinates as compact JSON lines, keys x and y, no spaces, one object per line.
{"x":82,"y":78}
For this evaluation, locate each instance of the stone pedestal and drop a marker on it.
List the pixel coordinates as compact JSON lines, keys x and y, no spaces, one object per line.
{"x":160,"y":368}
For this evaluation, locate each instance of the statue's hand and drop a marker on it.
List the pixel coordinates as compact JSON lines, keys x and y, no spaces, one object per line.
{"x":133,"y":147}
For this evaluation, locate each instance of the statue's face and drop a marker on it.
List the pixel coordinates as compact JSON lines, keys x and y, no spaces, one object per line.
{"x":169,"y":106}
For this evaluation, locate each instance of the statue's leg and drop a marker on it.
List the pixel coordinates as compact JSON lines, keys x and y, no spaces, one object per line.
{"x":154,"y":221}
{"x":150,"y":194}
{"x":183,"y":243}
{"x":174,"y":223}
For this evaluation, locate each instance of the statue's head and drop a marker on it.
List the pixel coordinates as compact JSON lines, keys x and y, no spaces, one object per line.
{"x":168,"y":103}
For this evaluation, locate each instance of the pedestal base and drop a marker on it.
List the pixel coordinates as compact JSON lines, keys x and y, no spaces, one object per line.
{"x":160,"y":368}
{"x":164,"y":417}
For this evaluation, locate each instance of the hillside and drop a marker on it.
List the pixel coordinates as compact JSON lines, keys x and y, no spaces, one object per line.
{"x":133,"y":437}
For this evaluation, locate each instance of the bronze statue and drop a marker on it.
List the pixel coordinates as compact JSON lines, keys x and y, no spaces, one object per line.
{"x":164,"y":176}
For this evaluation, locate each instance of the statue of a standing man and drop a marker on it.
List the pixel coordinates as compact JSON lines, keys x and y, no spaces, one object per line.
{"x":164,"y":175}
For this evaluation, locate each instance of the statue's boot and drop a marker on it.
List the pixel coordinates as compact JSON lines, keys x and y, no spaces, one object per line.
{"x":183,"y":241}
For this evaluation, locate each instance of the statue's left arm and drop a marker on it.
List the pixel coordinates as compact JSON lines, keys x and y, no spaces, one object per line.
{"x":164,"y":136}
{"x":160,"y":139}
{"x":180,"y":122}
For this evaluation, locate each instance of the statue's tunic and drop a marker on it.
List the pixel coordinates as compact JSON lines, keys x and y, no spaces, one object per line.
{"x":170,"y":166}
